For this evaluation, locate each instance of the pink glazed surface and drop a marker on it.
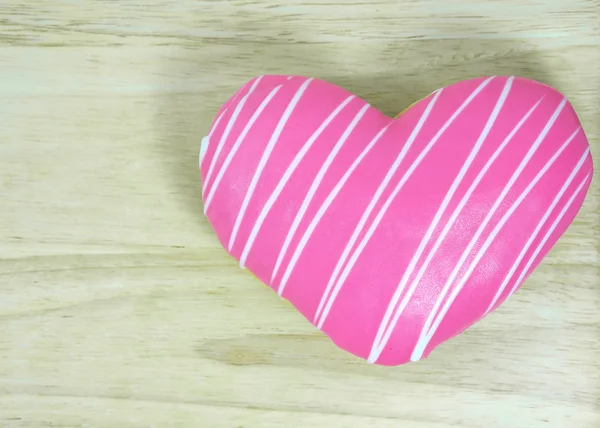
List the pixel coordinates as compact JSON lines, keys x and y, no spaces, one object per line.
{"x":393,"y":235}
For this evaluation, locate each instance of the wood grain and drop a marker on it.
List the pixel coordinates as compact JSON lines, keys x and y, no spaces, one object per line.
{"x":119,"y":308}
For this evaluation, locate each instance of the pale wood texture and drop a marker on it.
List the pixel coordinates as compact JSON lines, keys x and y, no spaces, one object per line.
{"x":118,"y":307}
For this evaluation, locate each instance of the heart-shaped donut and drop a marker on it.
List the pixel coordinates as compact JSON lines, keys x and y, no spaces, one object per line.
{"x":392,"y":235}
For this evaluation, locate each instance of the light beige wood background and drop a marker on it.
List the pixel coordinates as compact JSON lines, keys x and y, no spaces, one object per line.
{"x":118,"y":308}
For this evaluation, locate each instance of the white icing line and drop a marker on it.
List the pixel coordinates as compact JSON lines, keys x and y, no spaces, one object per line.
{"x":237,"y":95}
{"x":290,"y":170}
{"x":228,"y":127}
{"x":203,"y":148}
{"x":319,"y":177}
{"x":323,"y":208}
{"x":425,"y":338}
{"x":376,"y":350}
{"x":212,"y":131}
{"x":435,"y":222}
{"x":552,"y":228}
{"x":388,"y":202}
{"x":373,"y":202}
{"x":206,"y":140}
{"x":529,"y":242}
{"x":236,"y":146}
{"x":265,"y":157}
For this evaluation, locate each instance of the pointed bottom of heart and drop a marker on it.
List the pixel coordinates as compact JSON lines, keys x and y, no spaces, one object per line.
{"x":338,"y":345}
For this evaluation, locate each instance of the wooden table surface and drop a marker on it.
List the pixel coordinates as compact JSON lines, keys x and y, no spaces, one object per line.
{"x":119,"y":308}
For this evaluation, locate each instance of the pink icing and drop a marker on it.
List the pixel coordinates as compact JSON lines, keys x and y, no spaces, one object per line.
{"x":393,"y":235}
